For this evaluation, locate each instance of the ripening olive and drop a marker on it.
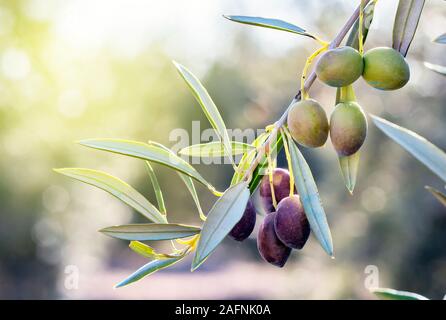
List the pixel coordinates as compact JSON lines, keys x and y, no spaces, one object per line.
{"x":270,"y":247}
{"x":244,"y":227}
{"x":291,"y":224}
{"x":385,"y":69}
{"x":281,"y":184}
{"x":348,"y":128}
{"x":308,"y":123}
{"x":340,"y":67}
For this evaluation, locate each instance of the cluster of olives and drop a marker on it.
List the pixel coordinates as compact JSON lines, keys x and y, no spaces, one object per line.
{"x":382,"y":68}
{"x":284,"y":228}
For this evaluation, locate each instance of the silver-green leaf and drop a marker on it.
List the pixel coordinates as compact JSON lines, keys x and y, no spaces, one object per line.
{"x":441,"y":39}
{"x":207,"y":104}
{"x":147,"y":269}
{"x":406,"y":22}
{"x":191,"y":187}
{"x":214,"y":149}
{"x":423,"y":150}
{"x":309,"y":195}
{"x":151,"y":231}
{"x":436,"y":68}
{"x":353,"y":38}
{"x":156,"y":188}
{"x":349,"y":168}
{"x":247,"y":159}
{"x":117,"y":188}
{"x":391,"y":294}
{"x":149,"y":152}
{"x":269,"y":23}
{"x":223,"y":216}
{"x":437,"y":194}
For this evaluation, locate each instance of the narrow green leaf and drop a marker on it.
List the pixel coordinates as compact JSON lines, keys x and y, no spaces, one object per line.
{"x":149,"y":152}
{"x":247,"y":158}
{"x":263,"y":164}
{"x":214,"y":149}
{"x":441,"y":39}
{"x":406,"y":22}
{"x":117,"y":188}
{"x":143,"y":250}
{"x":223,"y":216}
{"x":349,"y":168}
{"x":391,"y":294}
{"x":189,"y":184}
{"x":270,"y":23}
{"x":438,"y":195}
{"x":309,"y":196}
{"x":243,"y":165}
{"x":209,"y":108}
{"x":148,"y":252}
{"x":151,"y":231}
{"x":147,"y":269}
{"x":435,"y":67}
{"x":191,"y":187}
{"x":427,"y":153}
{"x":353,"y":38}
{"x":156,"y":188}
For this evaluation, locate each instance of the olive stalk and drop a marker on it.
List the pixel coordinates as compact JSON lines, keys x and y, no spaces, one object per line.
{"x":347,"y":94}
{"x":308,"y":83}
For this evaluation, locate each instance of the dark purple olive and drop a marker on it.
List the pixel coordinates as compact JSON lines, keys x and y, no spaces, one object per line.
{"x":281,"y":183}
{"x":291,"y":224}
{"x":244,"y":227}
{"x":270,"y":247}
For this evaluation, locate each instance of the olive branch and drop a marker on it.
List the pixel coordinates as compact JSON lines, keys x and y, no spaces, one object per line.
{"x":231,"y":204}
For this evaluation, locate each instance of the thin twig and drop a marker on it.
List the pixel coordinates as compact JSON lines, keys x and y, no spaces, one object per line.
{"x":311,"y":78}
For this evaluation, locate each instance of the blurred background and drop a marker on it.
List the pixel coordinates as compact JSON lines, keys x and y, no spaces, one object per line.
{"x":78,"y":69}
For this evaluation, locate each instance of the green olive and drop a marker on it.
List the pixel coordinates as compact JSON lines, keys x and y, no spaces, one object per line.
{"x":308,"y":123}
{"x":340,"y":67}
{"x":385,"y":69}
{"x":348,"y":128}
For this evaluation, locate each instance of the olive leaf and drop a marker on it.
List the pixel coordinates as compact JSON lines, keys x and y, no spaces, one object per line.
{"x":437,"y":194}
{"x":423,"y":150}
{"x":209,"y":108}
{"x":191,"y":187}
{"x":435,"y":67}
{"x":441,"y":39}
{"x":248,"y":158}
{"x":187,"y":181}
{"x":263,"y":164}
{"x":223,"y":216}
{"x":148,"y":252}
{"x":349,"y":168}
{"x":353,"y":38}
{"x":156,"y":188}
{"x":151,"y":231}
{"x":310,"y":198}
{"x":117,"y":188}
{"x":149,"y":152}
{"x":269,"y":23}
{"x":214,"y":149}
{"x":406,"y":22}
{"x":391,"y":294}
{"x":148,"y":269}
